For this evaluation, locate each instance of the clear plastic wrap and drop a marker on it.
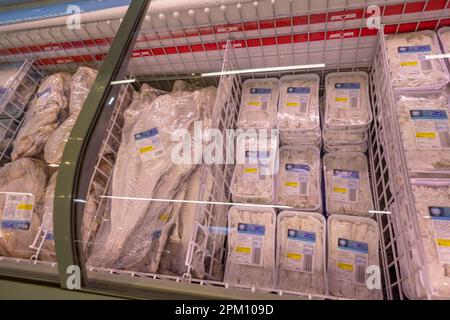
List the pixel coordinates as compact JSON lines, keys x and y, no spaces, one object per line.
{"x":298,"y":181}
{"x":352,"y":247}
{"x":253,"y":181}
{"x":82,"y":82}
{"x":145,"y":161}
{"x":360,"y":147}
{"x":47,"y":110}
{"x":432,"y":207}
{"x":407,"y":63}
{"x":259,"y":103}
{"x":347,"y":101}
{"x":425,"y":130}
{"x":299,"y":103}
{"x":347,"y":183}
{"x":301,"y":252}
{"x":251,"y":247}
{"x":22,"y":188}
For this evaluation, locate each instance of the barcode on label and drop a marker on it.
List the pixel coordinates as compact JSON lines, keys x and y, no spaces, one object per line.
{"x":308,"y":263}
{"x":360,"y":274}
{"x":264,"y":105}
{"x":426,"y":65}
{"x":303,"y":106}
{"x":444,"y":137}
{"x":256,"y":256}
{"x":352,"y":194}
{"x":353,"y":102}
{"x":303,"y":188}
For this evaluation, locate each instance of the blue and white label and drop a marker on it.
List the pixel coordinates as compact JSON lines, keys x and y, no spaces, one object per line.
{"x":296,"y":182}
{"x":300,"y":235}
{"x":249,"y":249}
{"x":44,"y":93}
{"x":259,"y":99}
{"x":50,"y":236}
{"x":345,"y":185}
{"x":412,"y":59}
{"x":299,"y":254}
{"x":414,"y":49}
{"x":296,"y":101}
{"x":431,"y":128}
{"x":149,"y":144}
{"x":352,"y":262}
{"x":347,"y":95}
{"x":18,"y":211}
{"x":440,"y":220}
{"x":347,"y":86}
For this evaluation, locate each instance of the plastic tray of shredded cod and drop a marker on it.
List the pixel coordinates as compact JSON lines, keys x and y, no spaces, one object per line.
{"x":298,"y":181}
{"x":301,"y":252}
{"x":353,"y":244}
{"x":428,"y":263}
{"x":409,"y":68}
{"x":347,"y":183}
{"x":253,"y":178}
{"x":259,"y":104}
{"x":347,"y":104}
{"x":251,"y":247}
{"x":298,"y":108}
{"x":424,"y":125}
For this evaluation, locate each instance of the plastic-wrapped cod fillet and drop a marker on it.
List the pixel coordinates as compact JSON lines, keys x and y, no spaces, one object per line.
{"x":409,"y":68}
{"x":352,"y":248}
{"x":148,"y":257}
{"x":176,"y":250}
{"x":22,"y":188}
{"x":253,"y":178}
{"x":298,"y":111}
{"x":47,"y":110}
{"x":425,"y":130}
{"x":82,"y":82}
{"x":430,"y":269}
{"x":301,"y":252}
{"x":298,"y":182}
{"x":347,"y":101}
{"x":251,"y":247}
{"x":347,"y":183}
{"x":145,"y":159}
{"x":259,"y":103}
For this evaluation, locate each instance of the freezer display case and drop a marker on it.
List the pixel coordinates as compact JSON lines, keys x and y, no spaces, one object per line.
{"x":137,"y":188}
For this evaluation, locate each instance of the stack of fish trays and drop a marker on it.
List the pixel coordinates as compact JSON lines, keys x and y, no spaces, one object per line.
{"x":347,"y":114}
{"x":298,"y":118}
{"x":18,"y":82}
{"x":411,"y":88}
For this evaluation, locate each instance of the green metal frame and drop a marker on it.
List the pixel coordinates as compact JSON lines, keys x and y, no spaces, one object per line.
{"x":82,"y":147}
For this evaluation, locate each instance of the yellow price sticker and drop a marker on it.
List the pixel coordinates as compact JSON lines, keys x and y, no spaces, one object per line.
{"x":254,"y":103}
{"x":345,"y":266}
{"x":409,"y":63}
{"x":341,"y":99}
{"x":163,"y":217}
{"x":443,"y":242}
{"x":292,"y":104}
{"x":294,"y":256}
{"x":24,"y":206}
{"x":426,"y":135}
{"x":251,"y":170}
{"x":339,"y":190}
{"x":146,"y":149}
{"x":243,"y":250}
{"x":291,"y":184}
